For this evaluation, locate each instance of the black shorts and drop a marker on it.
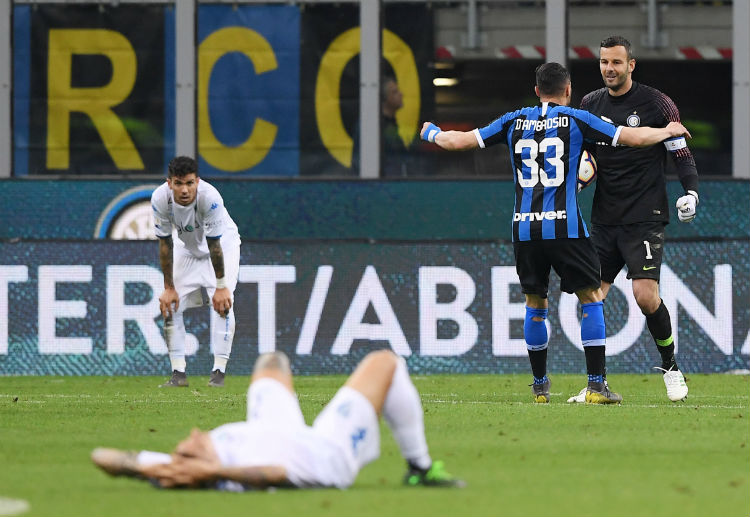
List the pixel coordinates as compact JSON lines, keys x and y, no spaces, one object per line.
{"x":574,"y":260}
{"x":640,"y":246}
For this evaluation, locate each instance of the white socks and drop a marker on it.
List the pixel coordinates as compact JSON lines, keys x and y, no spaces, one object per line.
{"x":220,"y":363}
{"x":146,"y":458}
{"x":222,"y":335}
{"x":174,"y":334}
{"x":402,"y":411}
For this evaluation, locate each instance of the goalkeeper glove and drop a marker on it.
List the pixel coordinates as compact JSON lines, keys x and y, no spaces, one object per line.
{"x":430,"y":132}
{"x":686,"y":206}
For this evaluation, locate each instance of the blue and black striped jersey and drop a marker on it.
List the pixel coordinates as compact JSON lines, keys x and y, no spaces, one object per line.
{"x":545,"y":143}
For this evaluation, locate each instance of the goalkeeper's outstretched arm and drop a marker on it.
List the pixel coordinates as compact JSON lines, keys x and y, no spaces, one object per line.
{"x":648,"y":136}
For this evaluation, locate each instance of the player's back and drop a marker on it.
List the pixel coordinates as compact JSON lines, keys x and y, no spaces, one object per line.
{"x":546,"y":142}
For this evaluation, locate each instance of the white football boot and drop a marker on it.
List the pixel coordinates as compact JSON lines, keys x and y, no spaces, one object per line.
{"x":580,"y":398}
{"x":675,"y":382}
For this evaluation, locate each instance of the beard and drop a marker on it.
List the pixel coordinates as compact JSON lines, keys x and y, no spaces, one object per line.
{"x":615,"y":83}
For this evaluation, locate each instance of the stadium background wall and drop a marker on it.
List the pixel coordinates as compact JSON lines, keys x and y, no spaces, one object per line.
{"x":331,"y":270}
{"x":294,"y":209}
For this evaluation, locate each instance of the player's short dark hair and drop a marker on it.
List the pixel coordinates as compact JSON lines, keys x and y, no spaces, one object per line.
{"x":182,"y":166}
{"x":552,"y":78}
{"x":618,"y":41}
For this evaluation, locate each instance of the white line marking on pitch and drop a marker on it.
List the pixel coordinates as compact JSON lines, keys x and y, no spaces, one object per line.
{"x":10,"y":506}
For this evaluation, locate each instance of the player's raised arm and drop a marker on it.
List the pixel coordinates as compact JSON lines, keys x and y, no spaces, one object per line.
{"x":449,"y":140}
{"x":648,"y":136}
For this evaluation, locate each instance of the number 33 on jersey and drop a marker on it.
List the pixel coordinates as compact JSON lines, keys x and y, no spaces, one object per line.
{"x":546,"y":144}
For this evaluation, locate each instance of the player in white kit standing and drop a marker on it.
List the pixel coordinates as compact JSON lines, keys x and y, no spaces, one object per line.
{"x":205,"y":255}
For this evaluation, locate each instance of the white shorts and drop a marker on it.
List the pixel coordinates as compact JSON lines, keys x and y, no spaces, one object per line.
{"x":191,"y":273}
{"x":343,"y":439}
{"x":350,"y":421}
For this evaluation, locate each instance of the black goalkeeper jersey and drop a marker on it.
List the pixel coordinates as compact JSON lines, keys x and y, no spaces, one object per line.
{"x":631,"y":182}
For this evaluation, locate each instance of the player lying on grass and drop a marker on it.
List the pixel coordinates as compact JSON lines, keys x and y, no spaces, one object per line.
{"x":274,"y":446}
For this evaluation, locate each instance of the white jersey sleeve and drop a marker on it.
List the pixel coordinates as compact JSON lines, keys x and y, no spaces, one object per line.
{"x":160,"y":201}
{"x":211,"y":211}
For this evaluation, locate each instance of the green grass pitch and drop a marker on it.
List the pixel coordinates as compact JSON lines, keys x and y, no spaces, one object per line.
{"x":647,"y":457}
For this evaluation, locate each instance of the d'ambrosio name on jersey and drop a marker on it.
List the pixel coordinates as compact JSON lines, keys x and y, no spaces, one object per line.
{"x":539,"y":125}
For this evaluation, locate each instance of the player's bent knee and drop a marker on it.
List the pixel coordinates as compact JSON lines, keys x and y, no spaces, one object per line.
{"x":377,"y":365}
{"x":591,"y":295}
{"x":373,"y":376}
{"x":383,"y":356}
{"x":646,"y":294}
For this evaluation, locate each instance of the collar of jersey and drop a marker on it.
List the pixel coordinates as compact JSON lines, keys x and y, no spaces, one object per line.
{"x":624,"y":96}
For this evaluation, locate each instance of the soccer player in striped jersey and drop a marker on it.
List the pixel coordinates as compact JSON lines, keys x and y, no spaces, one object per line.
{"x":546,"y":142}
{"x":631,"y":208}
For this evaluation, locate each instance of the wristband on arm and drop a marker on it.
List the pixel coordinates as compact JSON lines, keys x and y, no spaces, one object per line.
{"x":431,"y":132}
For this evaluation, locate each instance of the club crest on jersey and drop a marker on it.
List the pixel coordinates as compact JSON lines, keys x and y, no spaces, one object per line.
{"x":634,"y":120}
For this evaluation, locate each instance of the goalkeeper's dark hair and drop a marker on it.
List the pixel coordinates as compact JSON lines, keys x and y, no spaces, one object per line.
{"x":552,"y":78}
{"x":182,"y":166}
{"x":618,"y":41}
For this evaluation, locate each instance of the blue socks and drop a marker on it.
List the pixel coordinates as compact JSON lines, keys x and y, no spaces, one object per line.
{"x":593,"y":329}
{"x":594,"y":339}
{"x":535,"y":332}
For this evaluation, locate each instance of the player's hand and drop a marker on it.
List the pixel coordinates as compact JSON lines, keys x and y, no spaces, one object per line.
{"x":429,"y":132}
{"x":686,"y":207}
{"x":222,"y":301}
{"x":677,"y":129}
{"x":183,"y":472}
{"x":169,"y":302}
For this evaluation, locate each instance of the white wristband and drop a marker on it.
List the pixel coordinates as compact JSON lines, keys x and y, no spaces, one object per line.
{"x":221,"y":283}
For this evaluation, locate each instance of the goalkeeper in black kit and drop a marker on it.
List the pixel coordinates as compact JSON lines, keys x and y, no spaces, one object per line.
{"x":631,"y":209}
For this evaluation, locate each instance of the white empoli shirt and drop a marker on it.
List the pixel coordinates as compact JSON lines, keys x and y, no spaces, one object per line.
{"x":204,"y":217}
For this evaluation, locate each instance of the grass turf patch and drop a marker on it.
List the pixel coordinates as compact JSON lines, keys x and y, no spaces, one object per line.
{"x":646,"y":457}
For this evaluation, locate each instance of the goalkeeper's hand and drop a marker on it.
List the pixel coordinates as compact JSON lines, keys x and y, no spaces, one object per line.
{"x":686,"y":206}
{"x":429,"y":131}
